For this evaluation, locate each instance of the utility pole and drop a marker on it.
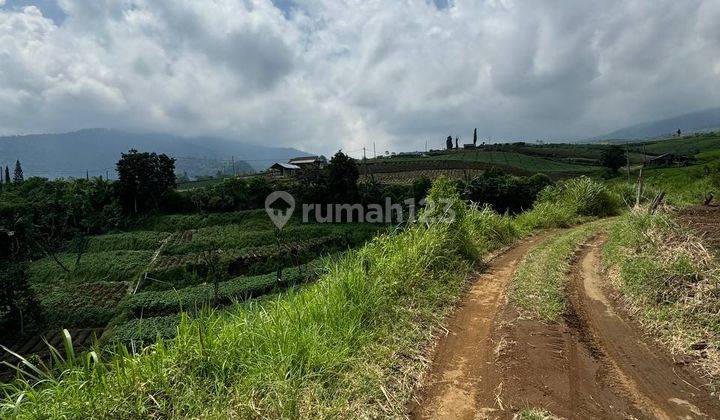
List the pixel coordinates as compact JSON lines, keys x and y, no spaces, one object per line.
{"x":87,"y":175}
{"x":374,"y":151}
{"x":364,"y":153}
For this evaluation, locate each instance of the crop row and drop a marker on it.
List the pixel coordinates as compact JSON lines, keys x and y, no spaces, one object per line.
{"x":214,"y":237}
{"x":241,"y":251}
{"x":195,"y":297}
{"x":253,"y":219}
{"x":81,"y":306}
{"x":192,"y":269}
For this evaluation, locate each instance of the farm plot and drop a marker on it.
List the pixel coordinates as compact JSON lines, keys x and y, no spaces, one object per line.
{"x":169,"y":269}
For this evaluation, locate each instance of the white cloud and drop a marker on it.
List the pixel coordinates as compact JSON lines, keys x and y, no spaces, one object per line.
{"x":326,"y":74}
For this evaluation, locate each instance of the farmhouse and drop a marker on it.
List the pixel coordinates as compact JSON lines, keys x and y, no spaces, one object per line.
{"x":284,"y":169}
{"x":307,"y":162}
{"x":670,"y":159}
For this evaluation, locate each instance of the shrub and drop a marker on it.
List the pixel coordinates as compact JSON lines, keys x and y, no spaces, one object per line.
{"x":584,"y":196}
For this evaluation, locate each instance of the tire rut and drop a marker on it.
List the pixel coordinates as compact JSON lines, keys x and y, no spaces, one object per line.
{"x":636,"y":368}
{"x":460,"y":368}
{"x":594,"y":363}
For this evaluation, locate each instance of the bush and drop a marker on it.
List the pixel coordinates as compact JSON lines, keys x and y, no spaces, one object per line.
{"x":503,"y":192}
{"x":568,"y":203}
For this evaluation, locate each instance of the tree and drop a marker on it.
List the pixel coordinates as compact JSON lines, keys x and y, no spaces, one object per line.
{"x":7,"y":174}
{"x":457,"y":140}
{"x":449,"y":143}
{"x":475,"y":137}
{"x":144,"y":179}
{"x":342,"y":177}
{"x":18,"y":176}
{"x":613,"y":158}
{"x":17,"y":301}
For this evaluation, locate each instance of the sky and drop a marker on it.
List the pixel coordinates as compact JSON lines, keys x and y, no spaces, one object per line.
{"x":323,"y":75}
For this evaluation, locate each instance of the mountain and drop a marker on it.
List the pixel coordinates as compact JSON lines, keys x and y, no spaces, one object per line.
{"x":98,"y":150}
{"x":705,"y":120}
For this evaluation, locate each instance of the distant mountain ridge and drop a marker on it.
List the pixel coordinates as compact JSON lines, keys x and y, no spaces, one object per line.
{"x":96,"y":151}
{"x":705,"y":120}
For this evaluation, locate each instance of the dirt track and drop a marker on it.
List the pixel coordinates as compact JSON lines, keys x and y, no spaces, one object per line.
{"x":595,"y":363}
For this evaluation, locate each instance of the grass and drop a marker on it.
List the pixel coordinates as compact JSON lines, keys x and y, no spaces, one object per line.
{"x":329,"y":349}
{"x":690,"y":145}
{"x":670,"y":281}
{"x":683,"y":185}
{"x":534,"y":414}
{"x":539,"y":283}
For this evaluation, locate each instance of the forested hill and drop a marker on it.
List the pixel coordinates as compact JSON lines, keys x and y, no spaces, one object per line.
{"x":97,"y":150}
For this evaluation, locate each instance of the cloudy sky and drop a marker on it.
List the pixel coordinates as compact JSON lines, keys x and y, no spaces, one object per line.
{"x":326,"y":74}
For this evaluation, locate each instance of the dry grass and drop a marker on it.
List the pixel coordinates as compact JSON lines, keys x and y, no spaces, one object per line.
{"x":670,"y":282}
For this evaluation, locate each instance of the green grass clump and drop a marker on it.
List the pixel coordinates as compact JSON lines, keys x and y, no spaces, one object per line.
{"x":666,"y":274}
{"x":534,"y":414}
{"x":568,"y":203}
{"x":683,"y":185}
{"x":540,"y":281}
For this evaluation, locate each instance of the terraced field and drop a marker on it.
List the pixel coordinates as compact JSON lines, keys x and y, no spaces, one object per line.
{"x":169,"y":264}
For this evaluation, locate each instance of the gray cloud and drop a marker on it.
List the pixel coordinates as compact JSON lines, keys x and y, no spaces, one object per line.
{"x":325,"y":74}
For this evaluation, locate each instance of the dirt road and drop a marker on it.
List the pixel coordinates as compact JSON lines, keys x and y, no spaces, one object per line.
{"x":463,"y":355}
{"x":595,"y":363}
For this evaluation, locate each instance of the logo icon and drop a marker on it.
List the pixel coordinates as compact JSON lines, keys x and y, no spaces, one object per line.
{"x":281,"y":199}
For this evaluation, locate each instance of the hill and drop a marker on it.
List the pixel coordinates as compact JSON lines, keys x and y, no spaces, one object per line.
{"x":699,"y":121}
{"x":97,"y":150}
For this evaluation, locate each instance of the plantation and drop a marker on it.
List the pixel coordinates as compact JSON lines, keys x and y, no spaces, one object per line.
{"x":118,"y":271}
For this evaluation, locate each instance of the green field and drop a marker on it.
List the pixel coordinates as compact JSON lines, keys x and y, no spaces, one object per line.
{"x":689,"y":145}
{"x":170,"y":261}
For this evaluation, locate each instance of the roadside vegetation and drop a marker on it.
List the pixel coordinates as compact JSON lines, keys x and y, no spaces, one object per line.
{"x":326,"y":349}
{"x":670,"y":281}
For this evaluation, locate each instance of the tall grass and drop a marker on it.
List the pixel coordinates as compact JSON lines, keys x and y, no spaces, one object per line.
{"x":330,"y":349}
{"x":568,"y":203}
{"x":670,"y":280}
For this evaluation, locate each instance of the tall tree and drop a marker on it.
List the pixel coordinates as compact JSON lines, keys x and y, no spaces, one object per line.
{"x":7,"y":174}
{"x":144,"y":179}
{"x":613,"y":158}
{"x":18,"y":174}
{"x":475,"y":137}
{"x":17,"y":300}
{"x":457,"y":141}
{"x":342,"y":177}
{"x":449,"y":143}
